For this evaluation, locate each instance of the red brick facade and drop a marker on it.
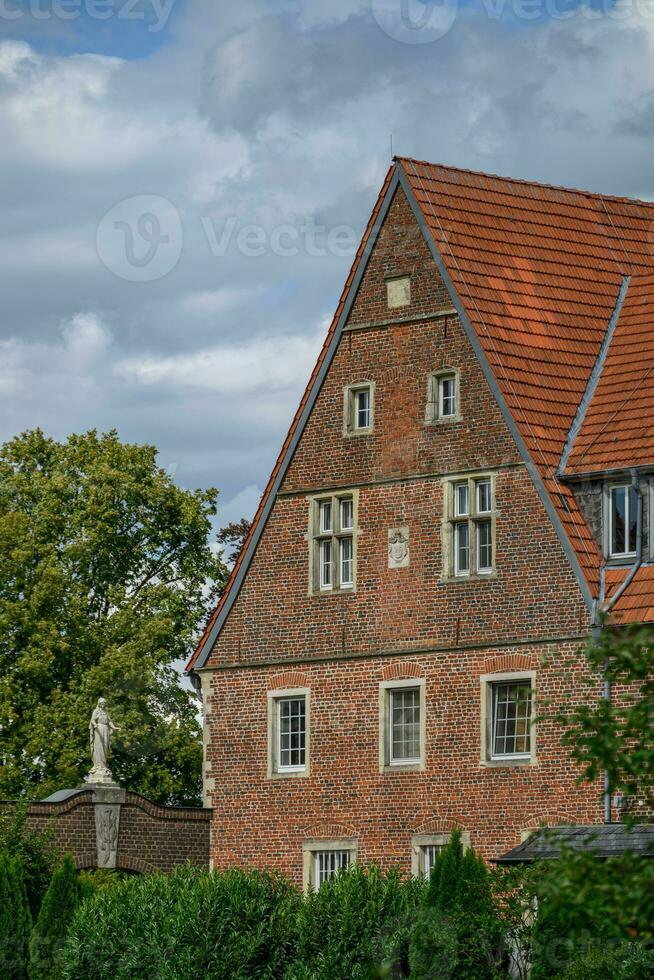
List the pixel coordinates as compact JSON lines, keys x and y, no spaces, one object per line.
{"x":412,"y":622}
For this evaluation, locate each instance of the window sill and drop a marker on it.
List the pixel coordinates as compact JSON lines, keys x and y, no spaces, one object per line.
{"x":403,"y":767}
{"x":289,"y":774}
{"x":356,"y":433}
{"x":327,"y":593}
{"x":448,"y":420}
{"x":507,"y":763}
{"x":476,"y":577}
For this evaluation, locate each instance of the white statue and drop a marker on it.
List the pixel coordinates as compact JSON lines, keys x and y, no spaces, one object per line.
{"x":100,"y":728}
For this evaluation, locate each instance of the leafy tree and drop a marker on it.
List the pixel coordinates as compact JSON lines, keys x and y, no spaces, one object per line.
{"x":49,"y":933}
{"x":15,"y":918}
{"x":617,"y":736}
{"x":458,"y":932}
{"x":105,"y":572}
{"x":233,"y":536}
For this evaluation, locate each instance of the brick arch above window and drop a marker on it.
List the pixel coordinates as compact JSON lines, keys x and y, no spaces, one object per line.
{"x":289,"y":678}
{"x":509,"y":661}
{"x":441,"y":825}
{"x":551,"y":818}
{"x":402,"y":671}
{"x":330,"y":831}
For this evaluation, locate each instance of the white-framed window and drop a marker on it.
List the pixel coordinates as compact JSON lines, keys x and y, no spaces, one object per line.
{"x":425,"y":849}
{"x":358,"y":409}
{"x":333,"y":543}
{"x":402,"y":725}
{"x":442,"y":397}
{"x":508,"y":730}
{"x":469,"y":526}
{"x":398,"y":292}
{"x":325,"y":859}
{"x":288,"y":732}
{"x":622,"y":506}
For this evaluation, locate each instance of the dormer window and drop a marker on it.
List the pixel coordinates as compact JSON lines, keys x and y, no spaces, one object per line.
{"x":622,"y":508}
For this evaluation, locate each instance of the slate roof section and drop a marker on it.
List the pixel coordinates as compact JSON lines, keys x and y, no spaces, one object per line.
{"x":539,"y":270}
{"x":605,"y":840}
{"x":618,"y":428}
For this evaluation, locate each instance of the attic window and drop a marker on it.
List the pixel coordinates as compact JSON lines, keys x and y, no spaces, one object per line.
{"x":622,"y":521}
{"x":398,"y":292}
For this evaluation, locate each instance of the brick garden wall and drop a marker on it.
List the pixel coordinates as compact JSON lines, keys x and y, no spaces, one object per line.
{"x":151,"y":838}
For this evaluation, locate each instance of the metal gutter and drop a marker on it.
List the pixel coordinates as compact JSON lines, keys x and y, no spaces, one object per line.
{"x":595,"y":375}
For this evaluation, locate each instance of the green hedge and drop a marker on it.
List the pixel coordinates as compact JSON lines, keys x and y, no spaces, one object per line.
{"x":185,"y":925}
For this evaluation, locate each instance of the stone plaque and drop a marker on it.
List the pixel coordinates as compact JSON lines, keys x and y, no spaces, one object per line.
{"x":398,"y":292}
{"x":107,"y":822}
{"x":398,"y":547}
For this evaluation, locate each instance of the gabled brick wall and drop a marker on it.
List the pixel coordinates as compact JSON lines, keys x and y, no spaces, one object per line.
{"x":408,"y":619}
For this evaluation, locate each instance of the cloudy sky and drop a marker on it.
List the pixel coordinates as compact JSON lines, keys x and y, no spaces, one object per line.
{"x":183,"y":183}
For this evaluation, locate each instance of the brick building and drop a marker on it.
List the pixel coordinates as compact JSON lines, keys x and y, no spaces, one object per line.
{"x":455,"y":501}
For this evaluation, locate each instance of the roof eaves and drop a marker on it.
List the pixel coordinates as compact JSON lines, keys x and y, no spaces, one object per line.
{"x":492,"y":382}
{"x":203,"y":651}
{"x":594,"y":377}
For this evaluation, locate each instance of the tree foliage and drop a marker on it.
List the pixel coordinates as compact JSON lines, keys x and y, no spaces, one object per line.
{"x":617,"y":736}
{"x":33,"y":848}
{"x":105,"y":572}
{"x":15,"y":918}
{"x":458,"y":931}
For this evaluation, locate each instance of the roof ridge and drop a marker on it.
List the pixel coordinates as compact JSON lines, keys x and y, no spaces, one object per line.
{"x":596,"y":195}
{"x":594,"y":376}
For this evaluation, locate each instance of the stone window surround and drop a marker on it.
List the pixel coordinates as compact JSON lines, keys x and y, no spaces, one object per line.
{"x":420,"y":841}
{"x":274,"y":697}
{"x":313,"y":846}
{"x":486,"y":682}
{"x":385,"y":687}
{"x":432,"y":405}
{"x":349,"y":407}
{"x":398,"y":291}
{"x":313,"y":537}
{"x":447,"y":526}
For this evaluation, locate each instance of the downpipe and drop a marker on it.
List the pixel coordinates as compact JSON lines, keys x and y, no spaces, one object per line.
{"x":606,"y":608}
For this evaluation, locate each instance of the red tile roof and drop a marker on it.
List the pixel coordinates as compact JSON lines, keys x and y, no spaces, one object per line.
{"x":538,"y":270}
{"x":618,"y":426}
{"x":636,"y":604}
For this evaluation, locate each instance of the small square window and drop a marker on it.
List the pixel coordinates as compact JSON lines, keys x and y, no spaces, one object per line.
{"x":288,"y":733}
{"x":402,"y":725}
{"x":508,"y":731}
{"x":325,"y":515}
{"x":398,"y":292}
{"x":358,"y":409}
{"x":326,"y":859}
{"x":442,"y":397}
{"x":461,"y":500}
{"x":347,"y":514}
{"x":484,"y":497}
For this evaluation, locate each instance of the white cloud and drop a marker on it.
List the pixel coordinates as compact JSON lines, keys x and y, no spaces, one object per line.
{"x":268,"y":363}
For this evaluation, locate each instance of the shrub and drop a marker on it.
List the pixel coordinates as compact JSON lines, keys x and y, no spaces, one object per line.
{"x":626,"y":961}
{"x":187,"y":924}
{"x":35,"y":849}
{"x":357,"y":925}
{"x":582,"y":899}
{"x":15,"y":918}
{"x":458,"y":932}
{"x":49,"y":935}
